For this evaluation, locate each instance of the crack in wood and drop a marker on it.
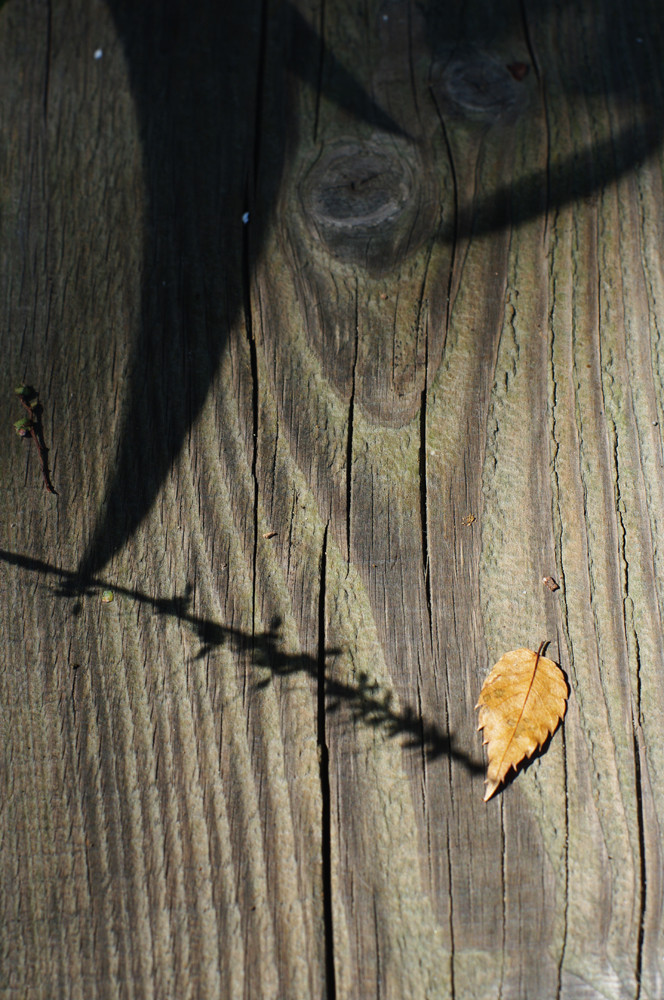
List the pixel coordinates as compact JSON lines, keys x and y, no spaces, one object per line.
{"x":561,"y":960}
{"x":349,"y":439}
{"x":324,"y":758}
{"x":251,"y":339}
{"x":424,"y":515}
{"x":638,"y":971}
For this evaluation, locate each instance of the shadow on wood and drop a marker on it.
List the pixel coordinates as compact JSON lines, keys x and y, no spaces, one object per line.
{"x":369,"y":702}
{"x":204,"y":137}
{"x":202,"y":134}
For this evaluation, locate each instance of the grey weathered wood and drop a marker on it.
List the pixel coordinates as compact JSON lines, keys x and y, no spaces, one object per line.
{"x":255,"y":773}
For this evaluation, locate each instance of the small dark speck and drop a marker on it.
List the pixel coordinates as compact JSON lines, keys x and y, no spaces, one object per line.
{"x":519,"y":70}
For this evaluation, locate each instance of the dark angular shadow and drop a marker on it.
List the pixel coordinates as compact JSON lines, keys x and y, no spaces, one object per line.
{"x":202,"y":116}
{"x":619,"y":59}
{"x":543,"y":192}
{"x":208,"y":128}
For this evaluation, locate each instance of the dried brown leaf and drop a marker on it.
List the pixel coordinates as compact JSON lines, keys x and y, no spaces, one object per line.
{"x":520,"y":705}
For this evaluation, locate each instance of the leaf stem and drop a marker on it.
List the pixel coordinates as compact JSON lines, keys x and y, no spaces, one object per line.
{"x":525,"y":700}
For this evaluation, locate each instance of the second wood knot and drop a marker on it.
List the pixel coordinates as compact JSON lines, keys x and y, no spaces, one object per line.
{"x":480,"y":86}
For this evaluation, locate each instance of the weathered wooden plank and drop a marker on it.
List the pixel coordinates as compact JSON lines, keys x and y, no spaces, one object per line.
{"x":255,"y":772}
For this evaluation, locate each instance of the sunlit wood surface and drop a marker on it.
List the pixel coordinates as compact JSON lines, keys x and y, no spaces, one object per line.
{"x":347,"y":322}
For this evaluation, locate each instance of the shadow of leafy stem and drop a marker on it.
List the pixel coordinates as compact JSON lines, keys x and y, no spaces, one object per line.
{"x":368,"y":701}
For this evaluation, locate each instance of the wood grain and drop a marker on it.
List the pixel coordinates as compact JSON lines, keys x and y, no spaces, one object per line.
{"x":255,"y":772}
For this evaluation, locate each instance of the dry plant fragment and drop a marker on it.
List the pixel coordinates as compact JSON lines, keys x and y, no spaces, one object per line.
{"x":31,"y":426}
{"x":520,"y":705}
{"x":549,"y":582}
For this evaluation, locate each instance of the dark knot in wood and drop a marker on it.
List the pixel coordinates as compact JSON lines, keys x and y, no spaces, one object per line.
{"x":361,"y":199}
{"x":477,"y":85}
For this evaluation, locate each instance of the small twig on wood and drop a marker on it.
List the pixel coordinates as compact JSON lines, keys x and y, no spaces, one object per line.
{"x":31,"y":426}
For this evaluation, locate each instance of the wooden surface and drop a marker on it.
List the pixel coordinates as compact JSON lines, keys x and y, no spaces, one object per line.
{"x":255,"y":772}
